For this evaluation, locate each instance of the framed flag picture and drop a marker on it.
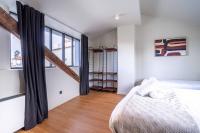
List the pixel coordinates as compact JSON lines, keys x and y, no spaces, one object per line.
{"x":171,"y":47}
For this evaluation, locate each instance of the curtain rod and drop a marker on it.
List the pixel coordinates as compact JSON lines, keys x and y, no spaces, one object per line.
{"x":54,"y":19}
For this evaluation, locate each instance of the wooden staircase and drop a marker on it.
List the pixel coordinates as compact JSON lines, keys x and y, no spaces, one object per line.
{"x":10,"y":24}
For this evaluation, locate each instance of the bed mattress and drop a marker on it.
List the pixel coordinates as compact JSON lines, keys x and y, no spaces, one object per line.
{"x":178,"y":113}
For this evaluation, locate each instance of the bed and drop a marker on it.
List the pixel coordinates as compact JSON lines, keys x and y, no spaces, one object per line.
{"x":159,"y":107}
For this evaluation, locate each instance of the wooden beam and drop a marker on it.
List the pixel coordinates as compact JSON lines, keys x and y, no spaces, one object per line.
{"x":10,"y":24}
{"x":50,"y":56}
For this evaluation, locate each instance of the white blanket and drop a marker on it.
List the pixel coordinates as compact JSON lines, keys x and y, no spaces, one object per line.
{"x":162,"y":112}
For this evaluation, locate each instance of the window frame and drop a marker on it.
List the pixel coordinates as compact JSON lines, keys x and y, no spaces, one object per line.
{"x":50,"y":46}
{"x":13,"y":68}
{"x":63,"y":47}
{"x":79,"y":50}
{"x":10,"y":55}
{"x":72,"y":63}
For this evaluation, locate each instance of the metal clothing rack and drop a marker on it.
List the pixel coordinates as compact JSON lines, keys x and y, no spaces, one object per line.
{"x":110,"y":75}
{"x":103,"y":76}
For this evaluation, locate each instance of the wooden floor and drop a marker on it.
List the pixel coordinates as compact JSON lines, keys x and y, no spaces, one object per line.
{"x":84,"y":114}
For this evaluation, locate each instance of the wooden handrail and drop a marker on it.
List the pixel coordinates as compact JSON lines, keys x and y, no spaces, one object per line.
{"x":10,"y":24}
{"x":50,"y":56}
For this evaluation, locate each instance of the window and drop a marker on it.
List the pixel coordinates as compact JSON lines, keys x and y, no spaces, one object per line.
{"x":68,"y":50}
{"x":76,"y":52}
{"x":57,"y":44}
{"x":47,"y":41}
{"x":13,"y":15}
{"x":66,"y":47}
{"x":16,"y":52}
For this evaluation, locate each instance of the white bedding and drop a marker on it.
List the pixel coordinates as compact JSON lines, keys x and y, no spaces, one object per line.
{"x":183,"y":84}
{"x":188,"y":93}
{"x":191,"y":99}
{"x":153,"y":105}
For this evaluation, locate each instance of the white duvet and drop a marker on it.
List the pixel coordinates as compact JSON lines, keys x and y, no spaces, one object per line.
{"x":154,"y":108}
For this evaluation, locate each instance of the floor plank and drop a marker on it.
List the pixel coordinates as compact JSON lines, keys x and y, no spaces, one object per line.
{"x":84,"y":114}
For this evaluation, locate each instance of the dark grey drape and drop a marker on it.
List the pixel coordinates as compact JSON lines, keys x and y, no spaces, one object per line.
{"x":84,"y":68}
{"x":31,"y":29}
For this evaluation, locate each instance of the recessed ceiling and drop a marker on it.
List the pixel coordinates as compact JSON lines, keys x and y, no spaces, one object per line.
{"x":183,"y":10}
{"x":92,"y":17}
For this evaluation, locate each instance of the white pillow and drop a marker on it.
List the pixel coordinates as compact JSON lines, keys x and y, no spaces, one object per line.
{"x":158,"y":94}
{"x":147,"y":86}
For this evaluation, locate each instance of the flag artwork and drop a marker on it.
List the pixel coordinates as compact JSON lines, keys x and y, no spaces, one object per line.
{"x":170,"y":47}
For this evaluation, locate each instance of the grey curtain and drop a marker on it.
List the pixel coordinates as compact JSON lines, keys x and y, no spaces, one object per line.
{"x":84,"y":67}
{"x":31,"y":29}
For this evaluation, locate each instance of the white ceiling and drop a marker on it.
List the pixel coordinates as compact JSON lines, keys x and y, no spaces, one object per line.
{"x":92,"y":17}
{"x":12,"y":3}
{"x":95,"y":17}
{"x":183,"y":10}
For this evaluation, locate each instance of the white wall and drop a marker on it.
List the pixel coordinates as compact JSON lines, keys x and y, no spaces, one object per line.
{"x":126,"y":58}
{"x":11,"y":111}
{"x":173,"y":68}
{"x":12,"y":115}
{"x":57,"y":80}
{"x":11,"y":83}
{"x":60,"y":27}
{"x":4,"y":49}
{"x":108,"y":39}
{"x":10,"y":80}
